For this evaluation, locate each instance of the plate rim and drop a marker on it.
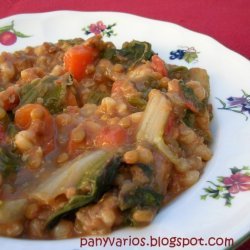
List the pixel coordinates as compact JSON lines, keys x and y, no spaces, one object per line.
{"x":136,"y":16}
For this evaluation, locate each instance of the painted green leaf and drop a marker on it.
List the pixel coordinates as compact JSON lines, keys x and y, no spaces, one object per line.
{"x":20,"y":34}
{"x":7,"y":27}
{"x":245,"y":168}
{"x":220,"y":179}
{"x":235,"y":170}
{"x":204,"y":197}
{"x":190,"y":56}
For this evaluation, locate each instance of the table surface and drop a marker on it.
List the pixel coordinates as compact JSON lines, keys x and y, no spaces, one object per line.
{"x":228,"y":21}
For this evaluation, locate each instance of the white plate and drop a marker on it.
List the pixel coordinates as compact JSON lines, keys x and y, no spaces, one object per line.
{"x":188,"y":216}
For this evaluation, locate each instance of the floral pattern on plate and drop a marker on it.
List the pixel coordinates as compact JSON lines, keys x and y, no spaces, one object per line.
{"x":9,"y":35}
{"x":100,"y":28}
{"x":239,"y":105}
{"x":228,"y":187}
{"x":188,"y":54}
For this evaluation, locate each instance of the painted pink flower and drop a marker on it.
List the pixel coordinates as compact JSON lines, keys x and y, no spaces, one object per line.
{"x":101,"y":25}
{"x":97,"y":28}
{"x":237,"y":182}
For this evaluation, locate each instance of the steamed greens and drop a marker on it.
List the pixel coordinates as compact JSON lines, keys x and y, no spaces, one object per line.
{"x":10,"y":161}
{"x":191,"y":98}
{"x":91,"y":175}
{"x":51,"y":91}
{"x":141,"y":197}
{"x":130,"y":54}
{"x":69,"y":175}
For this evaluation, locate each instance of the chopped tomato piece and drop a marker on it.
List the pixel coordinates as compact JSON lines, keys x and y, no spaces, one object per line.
{"x":158,"y":65}
{"x":77,"y":58}
{"x":23,"y":120}
{"x":113,"y":136}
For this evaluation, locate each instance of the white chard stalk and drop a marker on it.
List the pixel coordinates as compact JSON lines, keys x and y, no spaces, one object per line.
{"x":69,"y":175}
{"x":154,"y":120}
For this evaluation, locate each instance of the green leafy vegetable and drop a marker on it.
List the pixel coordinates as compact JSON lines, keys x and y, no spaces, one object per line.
{"x":189,"y":118}
{"x":131,"y":53}
{"x":93,"y":176}
{"x":140,"y":197}
{"x":10,"y":161}
{"x":189,"y":96}
{"x":7,"y":122}
{"x":50,"y":89}
{"x":137,"y":102}
{"x":178,"y":72}
{"x":147,"y":170}
{"x":69,"y":175}
{"x":12,"y":130}
{"x":96,"y":97}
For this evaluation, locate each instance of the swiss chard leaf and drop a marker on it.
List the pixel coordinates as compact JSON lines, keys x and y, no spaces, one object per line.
{"x":178,"y":72}
{"x":131,"y":53}
{"x":49,"y":89}
{"x":10,"y":161}
{"x":97,"y":179}
{"x":140,"y":197}
{"x":96,"y":97}
{"x":189,"y":118}
{"x":189,"y":96}
{"x":146,"y":169}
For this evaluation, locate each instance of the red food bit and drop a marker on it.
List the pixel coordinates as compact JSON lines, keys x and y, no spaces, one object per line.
{"x":8,"y":38}
{"x":77,"y":58}
{"x":170,"y":124}
{"x":158,"y":65}
{"x":111,"y":136}
{"x":191,"y":106}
